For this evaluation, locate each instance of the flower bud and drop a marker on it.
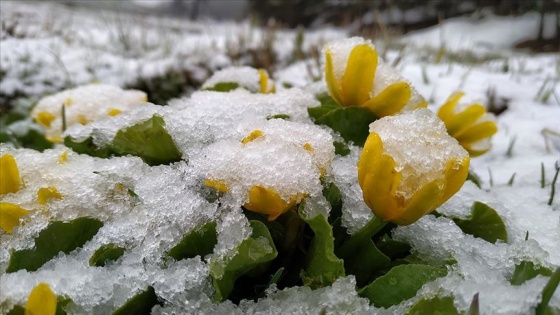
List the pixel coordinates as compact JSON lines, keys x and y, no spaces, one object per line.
{"x":355,"y":76}
{"x":410,"y":166}
{"x":83,"y":105}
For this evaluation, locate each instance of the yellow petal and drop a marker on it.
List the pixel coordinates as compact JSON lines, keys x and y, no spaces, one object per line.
{"x":216,"y":184}
{"x":454,"y":178}
{"x":424,"y":201}
{"x":82,"y":119}
{"x":477,"y":148}
{"x":332,"y":85}
{"x":478,"y":132}
{"x":378,"y":194}
{"x":10,"y":214}
{"x":456,"y":124}
{"x":47,"y":193}
{"x":45,"y":119}
{"x":422,"y":104}
{"x":41,"y":301}
{"x":55,"y":139}
{"x":373,"y":148}
{"x":63,"y":158}
{"x":391,"y":100}
{"x":379,"y":179}
{"x":359,"y":75}
{"x":252,"y":136}
{"x":114,"y":112}
{"x":267,"y":201}
{"x":9,"y":179}
{"x":263,"y":80}
{"x":446,"y":111}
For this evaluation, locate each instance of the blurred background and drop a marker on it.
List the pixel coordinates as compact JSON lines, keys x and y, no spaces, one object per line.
{"x":361,"y":15}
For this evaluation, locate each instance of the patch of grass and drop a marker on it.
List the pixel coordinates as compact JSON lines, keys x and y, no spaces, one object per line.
{"x":172,"y":84}
{"x":511,"y":180}
{"x":553,"y":184}
{"x":509,"y":151}
{"x":546,"y":90}
{"x":494,"y":104}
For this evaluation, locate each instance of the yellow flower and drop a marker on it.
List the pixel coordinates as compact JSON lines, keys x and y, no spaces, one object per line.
{"x":10,"y":214}
{"x":266,"y":85}
{"x":409,"y":166}
{"x":41,"y":301}
{"x":83,"y":105}
{"x":355,"y":77}
{"x":267,"y":201}
{"x":470,"y":124}
{"x":9,"y":179}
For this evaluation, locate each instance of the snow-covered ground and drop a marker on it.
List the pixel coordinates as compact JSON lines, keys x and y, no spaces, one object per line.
{"x":46,"y":48}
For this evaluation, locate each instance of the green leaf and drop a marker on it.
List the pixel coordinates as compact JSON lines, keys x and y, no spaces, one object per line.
{"x":341,"y":148}
{"x":365,"y":262}
{"x":62,"y":302}
{"x":475,"y":179}
{"x":57,"y":237}
{"x":148,"y":140}
{"x":87,"y":147}
{"x":35,"y":140}
{"x":484,"y":223}
{"x":198,"y":242}
{"x":433,"y":306}
{"x":361,"y":257}
{"x":352,"y":123}
{"x":278,"y":116}
{"x":106,"y":253}
{"x":393,"y":249}
{"x":332,"y":193}
{"x":322,"y":267}
{"x":326,"y":100}
{"x":255,"y":251}
{"x":140,"y":304}
{"x":17,"y":310}
{"x":547,"y":293}
{"x":526,"y":270}
{"x":400,"y":284}
{"x":223,"y":87}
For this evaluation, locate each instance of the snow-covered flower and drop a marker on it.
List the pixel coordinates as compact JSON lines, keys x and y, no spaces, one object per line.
{"x":264,"y":200}
{"x":355,"y":76}
{"x":248,"y":78}
{"x":83,"y":105}
{"x":470,"y":124}
{"x":243,"y":167}
{"x":409,"y":166}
